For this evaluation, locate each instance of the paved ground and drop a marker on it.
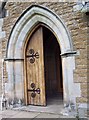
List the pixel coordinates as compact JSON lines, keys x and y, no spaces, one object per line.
{"x":32,"y":115}
{"x":54,"y":109}
{"x":26,"y":114}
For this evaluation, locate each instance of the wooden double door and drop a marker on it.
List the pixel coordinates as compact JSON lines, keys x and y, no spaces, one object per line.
{"x":43,"y":70}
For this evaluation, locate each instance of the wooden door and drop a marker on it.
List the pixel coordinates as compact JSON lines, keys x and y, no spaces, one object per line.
{"x":35,"y":69}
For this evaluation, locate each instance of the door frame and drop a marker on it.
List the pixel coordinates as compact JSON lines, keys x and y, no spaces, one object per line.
{"x":23,"y":28}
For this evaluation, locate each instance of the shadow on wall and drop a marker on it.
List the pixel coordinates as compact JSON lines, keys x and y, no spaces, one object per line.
{"x":2,"y":9}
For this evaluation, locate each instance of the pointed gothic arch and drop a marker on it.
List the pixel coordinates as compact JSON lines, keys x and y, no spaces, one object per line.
{"x":15,"y":51}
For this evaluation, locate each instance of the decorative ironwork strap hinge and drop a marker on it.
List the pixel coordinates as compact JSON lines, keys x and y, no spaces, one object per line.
{"x":34,"y":90}
{"x":33,"y":55}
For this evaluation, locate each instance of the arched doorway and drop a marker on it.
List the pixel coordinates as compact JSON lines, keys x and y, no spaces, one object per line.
{"x":43,"y":68}
{"x":16,"y":47}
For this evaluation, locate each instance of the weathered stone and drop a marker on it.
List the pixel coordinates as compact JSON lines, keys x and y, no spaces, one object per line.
{"x":77,"y":26}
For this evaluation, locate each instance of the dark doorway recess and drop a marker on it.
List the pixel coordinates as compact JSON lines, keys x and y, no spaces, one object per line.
{"x":53,"y":67}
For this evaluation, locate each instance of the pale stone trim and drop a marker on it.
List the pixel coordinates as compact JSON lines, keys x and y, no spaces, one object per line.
{"x":15,"y":50}
{"x":34,"y":16}
{"x":2,"y":35}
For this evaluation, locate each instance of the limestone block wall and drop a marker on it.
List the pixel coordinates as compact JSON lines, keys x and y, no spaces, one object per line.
{"x":76,"y":22}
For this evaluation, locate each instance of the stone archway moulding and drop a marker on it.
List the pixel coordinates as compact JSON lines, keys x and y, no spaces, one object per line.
{"x":15,"y":51}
